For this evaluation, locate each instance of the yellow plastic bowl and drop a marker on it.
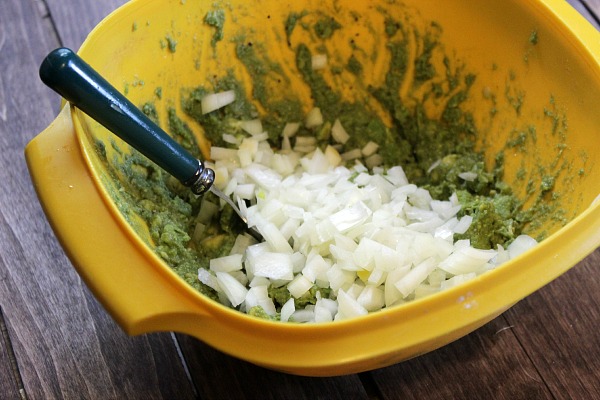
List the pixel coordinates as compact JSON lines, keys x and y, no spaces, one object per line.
{"x":536,"y":64}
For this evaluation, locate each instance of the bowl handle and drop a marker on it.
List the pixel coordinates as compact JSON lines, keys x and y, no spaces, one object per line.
{"x":122,"y":277}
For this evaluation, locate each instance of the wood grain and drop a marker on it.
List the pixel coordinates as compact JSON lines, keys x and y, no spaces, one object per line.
{"x":10,"y":380}
{"x":241,"y":380}
{"x":73,"y":20}
{"x":489,"y":363}
{"x":66,"y":346}
{"x":559,"y":328}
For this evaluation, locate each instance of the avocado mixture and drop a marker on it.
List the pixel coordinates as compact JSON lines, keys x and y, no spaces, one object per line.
{"x":434,"y":153}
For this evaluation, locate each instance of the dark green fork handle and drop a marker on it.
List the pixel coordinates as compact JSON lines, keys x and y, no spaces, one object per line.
{"x":75,"y":80}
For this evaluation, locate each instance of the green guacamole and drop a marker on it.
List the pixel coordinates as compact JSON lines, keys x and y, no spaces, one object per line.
{"x":433,"y":152}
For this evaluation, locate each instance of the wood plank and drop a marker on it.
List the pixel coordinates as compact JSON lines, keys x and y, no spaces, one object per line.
{"x":593,"y":6}
{"x":218,"y":375}
{"x":75,"y":19}
{"x":10,"y":385}
{"x":488,"y":363}
{"x":66,"y":346}
{"x":559,"y":328}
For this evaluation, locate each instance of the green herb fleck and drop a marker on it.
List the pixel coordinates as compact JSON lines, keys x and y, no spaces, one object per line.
{"x":326,"y":26}
{"x":216,"y":19}
{"x":171,"y":43}
{"x":533,"y":37}
{"x":291,"y":22}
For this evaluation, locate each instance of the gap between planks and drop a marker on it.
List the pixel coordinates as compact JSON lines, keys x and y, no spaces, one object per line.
{"x":14,"y":367}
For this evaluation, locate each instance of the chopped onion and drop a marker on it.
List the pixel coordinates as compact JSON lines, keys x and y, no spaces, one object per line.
{"x":226,"y":264}
{"x":351,"y":155}
{"x":290,"y":129}
{"x":253,"y":127}
{"x":214,"y":101}
{"x":209,"y":279}
{"x":369,"y":149}
{"x":314,"y":118}
{"x":319,"y":61}
{"x":521,"y":244}
{"x":468,"y":176}
{"x":299,"y":285}
{"x":287,"y":310}
{"x":273,"y":266}
{"x":364,"y":233}
{"x":349,"y":307}
{"x":338,"y":132}
{"x":233,"y":289}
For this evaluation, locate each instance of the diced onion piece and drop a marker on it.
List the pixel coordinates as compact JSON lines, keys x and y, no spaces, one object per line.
{"x":290,"y":129}
{"x":468,"y":176}
{"x":221,"y":176}
{"x":338,"y":133}
{"x":306,"y":141}
{"x":339,"y":278}
{"x":371,"y":298}
{"x":305,"y":315}
{"x":392,"y":294}
{"x":214,"y":101}
{"x":316,"y":268}
{"x":226,"y":264}
{"x":397,"y":176}
{"x":242,"y":242}
{"x":415,"y":277}
{"x":299,"y":285}
{"x":263,"y":177}
{"x":351,"y":155}
{"x":259,"y":296}
{"x":305,"y":144}
{"x":370,"y":148}
{"x":466,"y":259}
{"x":287,"y":310}
{"x":255,"y":294}
{"x":231,"y":139}
{"x":373,"y":161}
{"x":273,"y":266}
{"x":210,"y":280}
{"x":521,"y":244}
{"x":434,"y":165}
{"x":221,"y":153}
{"x":349,"y":307}
{"x":245,"y":191}
{"x":463,"y":224}
{"x":322,"y":311}
{"x":456,"y":280}
{"x":319,"y":61}
{"x":314,"y":118}
{"x":233,"y":289}
{"x":247,"y":151}
{"x":350,"y":217}
{"x":333,"y":156}
{"x":253,"y":126}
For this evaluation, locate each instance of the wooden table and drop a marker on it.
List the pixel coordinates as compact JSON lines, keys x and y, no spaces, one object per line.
{"x":56,"y":341}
